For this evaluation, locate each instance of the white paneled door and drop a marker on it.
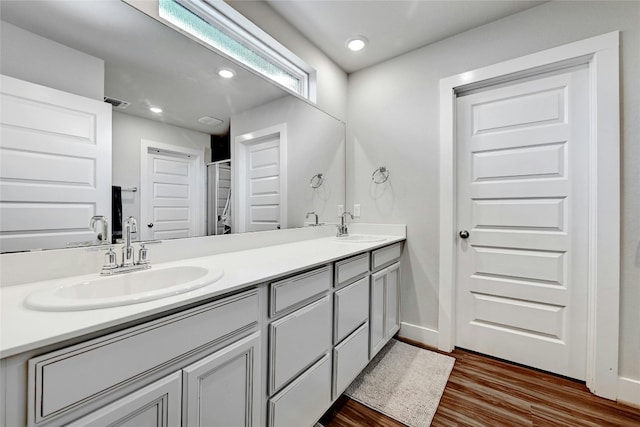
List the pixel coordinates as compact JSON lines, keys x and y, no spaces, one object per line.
{"x":263,"y":185}
{"x":522,"y":219}
{"x":171,"y":193}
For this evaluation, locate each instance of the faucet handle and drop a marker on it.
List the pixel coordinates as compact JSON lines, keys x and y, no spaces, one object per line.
{"x":110,"y":262}
{"x":143,"y":255}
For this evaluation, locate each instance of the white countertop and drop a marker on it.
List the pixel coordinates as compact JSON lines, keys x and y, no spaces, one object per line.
{"x":23,"y":329}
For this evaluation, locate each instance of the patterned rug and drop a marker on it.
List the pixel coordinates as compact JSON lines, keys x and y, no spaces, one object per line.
{"x":403,"y":382}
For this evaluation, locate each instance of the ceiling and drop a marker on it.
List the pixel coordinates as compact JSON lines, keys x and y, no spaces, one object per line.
{"x":393,"y":27}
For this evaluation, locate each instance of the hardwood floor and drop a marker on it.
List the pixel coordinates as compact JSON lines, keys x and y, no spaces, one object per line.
{"x":483,"y":392}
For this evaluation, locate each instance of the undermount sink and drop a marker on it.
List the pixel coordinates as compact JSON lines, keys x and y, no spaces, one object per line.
{"x":123,"y":289}
{"x":360,"y":238}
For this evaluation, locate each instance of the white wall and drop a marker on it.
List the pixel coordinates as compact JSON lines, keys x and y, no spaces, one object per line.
{"x":315,"y":143}
{"x":29,"y":57}
{"x":128,"y":132}
{"x":332,"y":80}
{"x":393,"y":120}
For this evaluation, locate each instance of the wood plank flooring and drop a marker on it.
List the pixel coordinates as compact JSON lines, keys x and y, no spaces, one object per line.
{"x":485,"y":392}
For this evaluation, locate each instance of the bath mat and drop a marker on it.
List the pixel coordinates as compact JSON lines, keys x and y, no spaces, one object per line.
{"x":403,"y":382}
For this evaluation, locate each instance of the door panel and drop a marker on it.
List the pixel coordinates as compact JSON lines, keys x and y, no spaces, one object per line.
{"x":522,"y":194}
{"x":263,"y":185}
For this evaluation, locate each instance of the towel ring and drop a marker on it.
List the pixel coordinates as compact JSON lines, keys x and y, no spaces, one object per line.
{"x":380,"y":175}
{"x":316,"y":180}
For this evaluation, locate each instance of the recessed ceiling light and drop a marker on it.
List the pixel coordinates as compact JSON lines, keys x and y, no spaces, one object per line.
{"x":356,"y":43}
{"x":156,"y":110}
{"x":226,"y":73}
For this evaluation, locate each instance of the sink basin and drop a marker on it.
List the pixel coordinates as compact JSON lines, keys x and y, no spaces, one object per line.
{"x":361,"y":238}
{"x":123,"y":289}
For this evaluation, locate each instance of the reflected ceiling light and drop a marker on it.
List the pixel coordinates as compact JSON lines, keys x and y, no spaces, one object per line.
{"x":357,"y":43}
{"x":226,"y":73}
{"x":156,"y":110}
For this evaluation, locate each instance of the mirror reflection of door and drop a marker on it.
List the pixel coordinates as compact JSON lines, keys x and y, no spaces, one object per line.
{"x":262,"y":179}
{"x":171,"y":202}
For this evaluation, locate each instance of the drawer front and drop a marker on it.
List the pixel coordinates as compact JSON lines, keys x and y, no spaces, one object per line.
{"x":385,"y":256}
{"x":293,"y":292}
{"x":349,"y":358}
{"x":351,"y":269}
{"x":351,"y":308}
{"x":305,"y":400}
{"x":67,"y":378}
{"x":297,"y":340}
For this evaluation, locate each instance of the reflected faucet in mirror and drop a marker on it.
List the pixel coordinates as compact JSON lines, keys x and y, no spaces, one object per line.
{"x":103,"y":236}
{"x":315,"y":224}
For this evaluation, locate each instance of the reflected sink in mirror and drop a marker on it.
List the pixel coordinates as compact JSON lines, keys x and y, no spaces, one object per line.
{"x":360,"y":238}
{"x":123,"y":289}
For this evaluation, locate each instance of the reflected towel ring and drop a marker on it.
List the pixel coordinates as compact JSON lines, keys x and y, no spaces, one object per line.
{"x":380,"y":175}
{"x":317,"y":180}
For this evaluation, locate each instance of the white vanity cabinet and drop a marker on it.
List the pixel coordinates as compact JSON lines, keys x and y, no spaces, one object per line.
{"x":115,"y":373}
{"x":384,"y":314}
{"x":276,"y":354}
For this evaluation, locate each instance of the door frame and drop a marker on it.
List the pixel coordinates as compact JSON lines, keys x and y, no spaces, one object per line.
{"x":239,"y":181}
{"x":601,"y":55}
{"x":201,"y":180}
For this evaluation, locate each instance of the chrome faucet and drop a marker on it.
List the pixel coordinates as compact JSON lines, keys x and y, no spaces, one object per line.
{"x":314,"y":214}
{"x":111,"y":266}
{"x":103,"y":235}
{"x":342,"y":227}
{"x":130,"y":226}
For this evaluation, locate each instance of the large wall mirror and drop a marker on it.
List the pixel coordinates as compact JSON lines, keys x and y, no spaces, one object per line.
{"x":169,"y":169}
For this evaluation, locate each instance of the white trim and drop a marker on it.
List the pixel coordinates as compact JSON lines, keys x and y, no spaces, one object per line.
{"x":238,"y":183}
{"x":601,"y":55}
{"x":201,"y":181}
{"x":426,"y":336}
{"x":629,"y":391}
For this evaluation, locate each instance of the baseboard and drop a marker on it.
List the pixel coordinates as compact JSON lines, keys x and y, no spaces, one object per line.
{"x":426,"y":336}
{"x":629,"y":391}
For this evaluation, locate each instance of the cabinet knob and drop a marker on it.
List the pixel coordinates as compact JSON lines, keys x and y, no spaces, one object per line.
{"x":464,"y":234}
{"x":150,"y":225}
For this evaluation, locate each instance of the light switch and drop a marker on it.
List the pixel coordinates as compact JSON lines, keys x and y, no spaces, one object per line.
{"x":340,"y":209}
{"x":356,"y":211}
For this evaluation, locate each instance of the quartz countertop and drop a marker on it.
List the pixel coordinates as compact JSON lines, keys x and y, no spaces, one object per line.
{"x":23,"y":329}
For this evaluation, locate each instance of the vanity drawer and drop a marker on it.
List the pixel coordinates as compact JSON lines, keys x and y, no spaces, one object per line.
{"x":297,"y":340}
{"x":351,"y":269}
{"x":349,"y":358}
{"x":304,"y":401}
{"x":295,"y":291}
{"x":351,"y":308}
{"x":68,"y":378}
{"x":385,"y":256}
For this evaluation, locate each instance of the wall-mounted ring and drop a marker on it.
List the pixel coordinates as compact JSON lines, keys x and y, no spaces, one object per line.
{"x":316,"y":180}
{"x":380,"y":175}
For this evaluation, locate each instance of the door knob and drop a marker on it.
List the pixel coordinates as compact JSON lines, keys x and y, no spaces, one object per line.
{"x":150,"y":225}
{"x":464,"y":234}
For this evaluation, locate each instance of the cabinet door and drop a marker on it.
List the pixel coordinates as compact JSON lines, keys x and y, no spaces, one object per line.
{"x":392,"y":301}
{"x":223,"y":389}
{"x":376,"y":316}
{"x":156,"y":405}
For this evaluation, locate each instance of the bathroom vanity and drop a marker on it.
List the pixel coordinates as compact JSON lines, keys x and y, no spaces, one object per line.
{"x":273,"y":343}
